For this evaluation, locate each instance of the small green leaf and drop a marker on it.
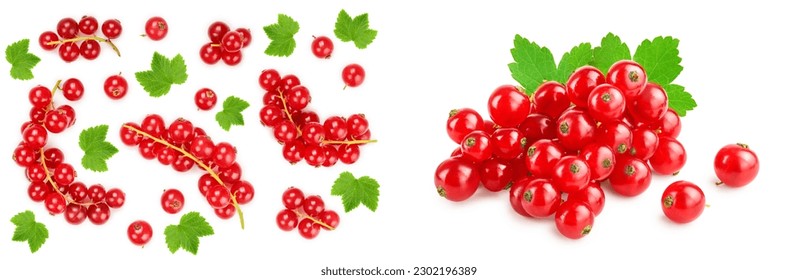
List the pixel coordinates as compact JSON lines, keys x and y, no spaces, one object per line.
{"x":353,"y":192}
{"x":27,"y":229}
{"x":186,"y":234}
{"x":612,"y":50}
{"x":282,"y":36}
{"x":660,"y":58}
{"x":357,"y":29}
{"x":579,"y":56}
{"x":96,"y":150}
{"x":231,"y":112}
{"x":532,"y":64}
{"x":679,"y":100}
{"x":22,"y":62}
{"x":164,"y":73}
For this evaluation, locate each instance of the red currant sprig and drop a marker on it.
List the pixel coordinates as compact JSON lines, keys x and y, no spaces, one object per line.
{"x":307,"y":213}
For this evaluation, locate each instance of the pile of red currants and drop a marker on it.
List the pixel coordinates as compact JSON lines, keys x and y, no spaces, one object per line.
{"x":225,"y":44}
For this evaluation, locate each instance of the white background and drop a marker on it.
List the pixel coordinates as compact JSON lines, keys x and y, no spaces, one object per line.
{"x":428,"y":58}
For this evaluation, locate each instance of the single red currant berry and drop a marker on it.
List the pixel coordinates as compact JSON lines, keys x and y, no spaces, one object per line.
{"x":88,"y":25}
{"x":286,"y":220}
{"x":348,"y":154}
{"x":99,"y":213}
{"x":335,"y":128}
{"x":592,"y":195}
{"x":644,"y":143}
{"x":615,"y":134}
{"x":629,"y":77}
{"x":46,"y":40}
{"x":495,"y":175}
{"x":217,"y":30}
{"x":115,"y":87}
{"x":67,"y":28}
{"x":683,"y":202}
{"x":575,"y":129}
{"x":156,"y":28}
{"x":606,"y":103}
{"x":246,"y":36}
{"x":357,"y":125}
{"x":651,"y":104}
{"x":540,"y":198}
{"x":669,"y":157}
{"x":313,"y":205}
{"x":73,"y":89}
{"x":669,"y":125}
{"x":218,"y":197}
{"x":210,"y":54}
{"x":243,"y":191}
{"x":308,"y":229}
{"x":205,"y":99}
{"x":570,"y":174}
{"x":297,"y":98}
{"x":269,"y":79}
{"x":517,"y":195}
{"x":574,"y":219}
{"x":226,"y":212}
{"x":55,"y":203}
{"x":508,"y":143}
{"x":329,"y":218}
{"x":353,"y":75}
{"x":462,"y":122}
{"x":90,"y":49}
{"x":508,"y":106}
{"x":35,"y":136}
{"x":172,"y":201}
{"x":551,"y":99}
{"x":232,"y":41}
{"x":536,"y":127}
{"x":112,"y":28}
{"x":541,"y":157}
{"x":139,"y":233}
{"x":75,"y":214}
{"x":224,"y":155}
{"x":456,"y":179}
{"x":115,"y":198}
{"x":322,"y":47}
{"x":231,"y":58}
{"x":477,"y":146}
{"x":181,"y":131}
{"x":630,"y":177}
{"x":293,"y":198}
{"x":736,"y":165}
{"x":56,"y":121}
{"x":600,"y":159}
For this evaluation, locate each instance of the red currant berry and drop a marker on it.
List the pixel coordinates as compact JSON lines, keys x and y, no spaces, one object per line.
{"x":46,"y":38}
{"x":669,"y":157}
{"x":182,"y":163}
{"x":69,"y":51}
{"x":231,"y":58}
{"x":297,"y":98}
{"x":226,"y":212}
{"x":286,"y":220}
{"x":293,"y":198}
{"x":73,"y":89}
{"x":99,"y":213}
{"x":243,"y":191}
{"x":156,"y":28}
{"x":322,"y":47}
{"x":335,"y":128}
{"x":736,"y":165}
{"x":166,"y":156}
{"x":38,"y":191}
{"x":330,"y":155}
{"x":34,"y":136}
{"x":574,"y":219}
{"x":615,"y":134}
{"x":357,"y":124}
{"x":329,"y":218}
{"x":40,"y":97}
{"x":600,"y":159}
{"x":64,"y":174}
{"x":218,"y":197}
{"x":139,"y":233}
{"x":88,"y":25}
{"x":551,"y":99}
{"x":25,"y":156}
{"x":231,"y":174}
{"x":314,"y":155}
{"x":670,"y":125}
{"x":205,"y":99}
{"x":286,"y":83}
{"x":205,"y":182}
{"x":308,"y":229}
{"x":35,"y":173}
{"x":353,"y":75}
{"x":202,"y":147}
{"x":232,"y":41}
{"x":630,"y":177}
{"x":592,"y":195}
{"x":115,"y":87}
{"x":575,"y":129}
{"x":581,"y":84}
{"x":97,"y":194}
{"x":55,"y":203}
{"x":507,"y":106}
{"x":75,"y":214}
{"x":270,"y":115}
{"x":540,"y":198}
{"x":129,"y":136}
{"x":115,"y":198}
{"x":172,"y":201}
{"x":67,"y":28}
{"x":181,"y":131}
{"x":269,"y":79}
{"x":217,"y":30}
{"x":56,"y":121}
{"x":683,"y":202}
{"x":348,"y":154}
{"x":651,"y":104}
{"x":606,"y":103}
{"x":456,"y":179}
{"x":210,"y":54}
{"x":570,"y":174}
{"x":313,"y":133}
{"x":78,"y":192}
{"x":154,"y":125}
{"x":112,"y":28}
{"x":495,"y":175}
{"x":477,"y":146}
{"x":629,"y":77}
{"x":462,"y":122}
{"x":90,"y":49}
{"x":224,"y":155}
{"x":536,"y":127}
{"x":517,"y":195}
{"x":313,"y":205}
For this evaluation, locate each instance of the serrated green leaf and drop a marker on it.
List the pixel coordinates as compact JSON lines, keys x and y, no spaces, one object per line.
{"x":27,"y":229}
{"x":611,"y":50}
{"x":660,"y":58}
{"x":679,"y":100}
{"x":532,"y":64}
{"x":282,"y":36}
{"x":96,"y":150}
{"x":353,"y":192}
{"x":186,"y":234}
{"x":579,"y":56}
{"x":231,"y":112}
{"x":357,"y":29}
{"x":22,"y":62}
{"x":163,"y":74}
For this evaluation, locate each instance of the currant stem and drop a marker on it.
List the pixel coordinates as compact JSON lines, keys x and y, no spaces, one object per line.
{"x":287,"y":113}
{"x":301,"y":215}
{"x":56,"y":87}
{"x":52,"y":182}
{"x":84,"y":38}
{"x":197,"y":161}
{"x":349,"y":142}
{"x":216,"y":45}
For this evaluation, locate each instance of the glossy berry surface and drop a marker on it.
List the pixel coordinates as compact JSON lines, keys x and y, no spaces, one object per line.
{"x":112,"y":28}
{"x":508,"y":106}
{"x":139,"y":232}
{"x":736,"y":165}
{"x":115,"y":87}
{"x":172,"y":201}
{"x":574,"y":219}
{"x":156,"y":28}
{"x":456,"y":179}
{"x":205,"y":99}
{"x":353,"y":75}
{"x":322,"y":47}
{"x":682,"y":202}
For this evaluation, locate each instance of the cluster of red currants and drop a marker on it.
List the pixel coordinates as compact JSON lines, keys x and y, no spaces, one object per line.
{"x":52,"y":180}
{"x":182,"y":145}
{"x":300,"y":131}
{"x":554,"y":149}
{"x":70,"y":40}
{"x":306,"y":213}
{"x":225,"y":44}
